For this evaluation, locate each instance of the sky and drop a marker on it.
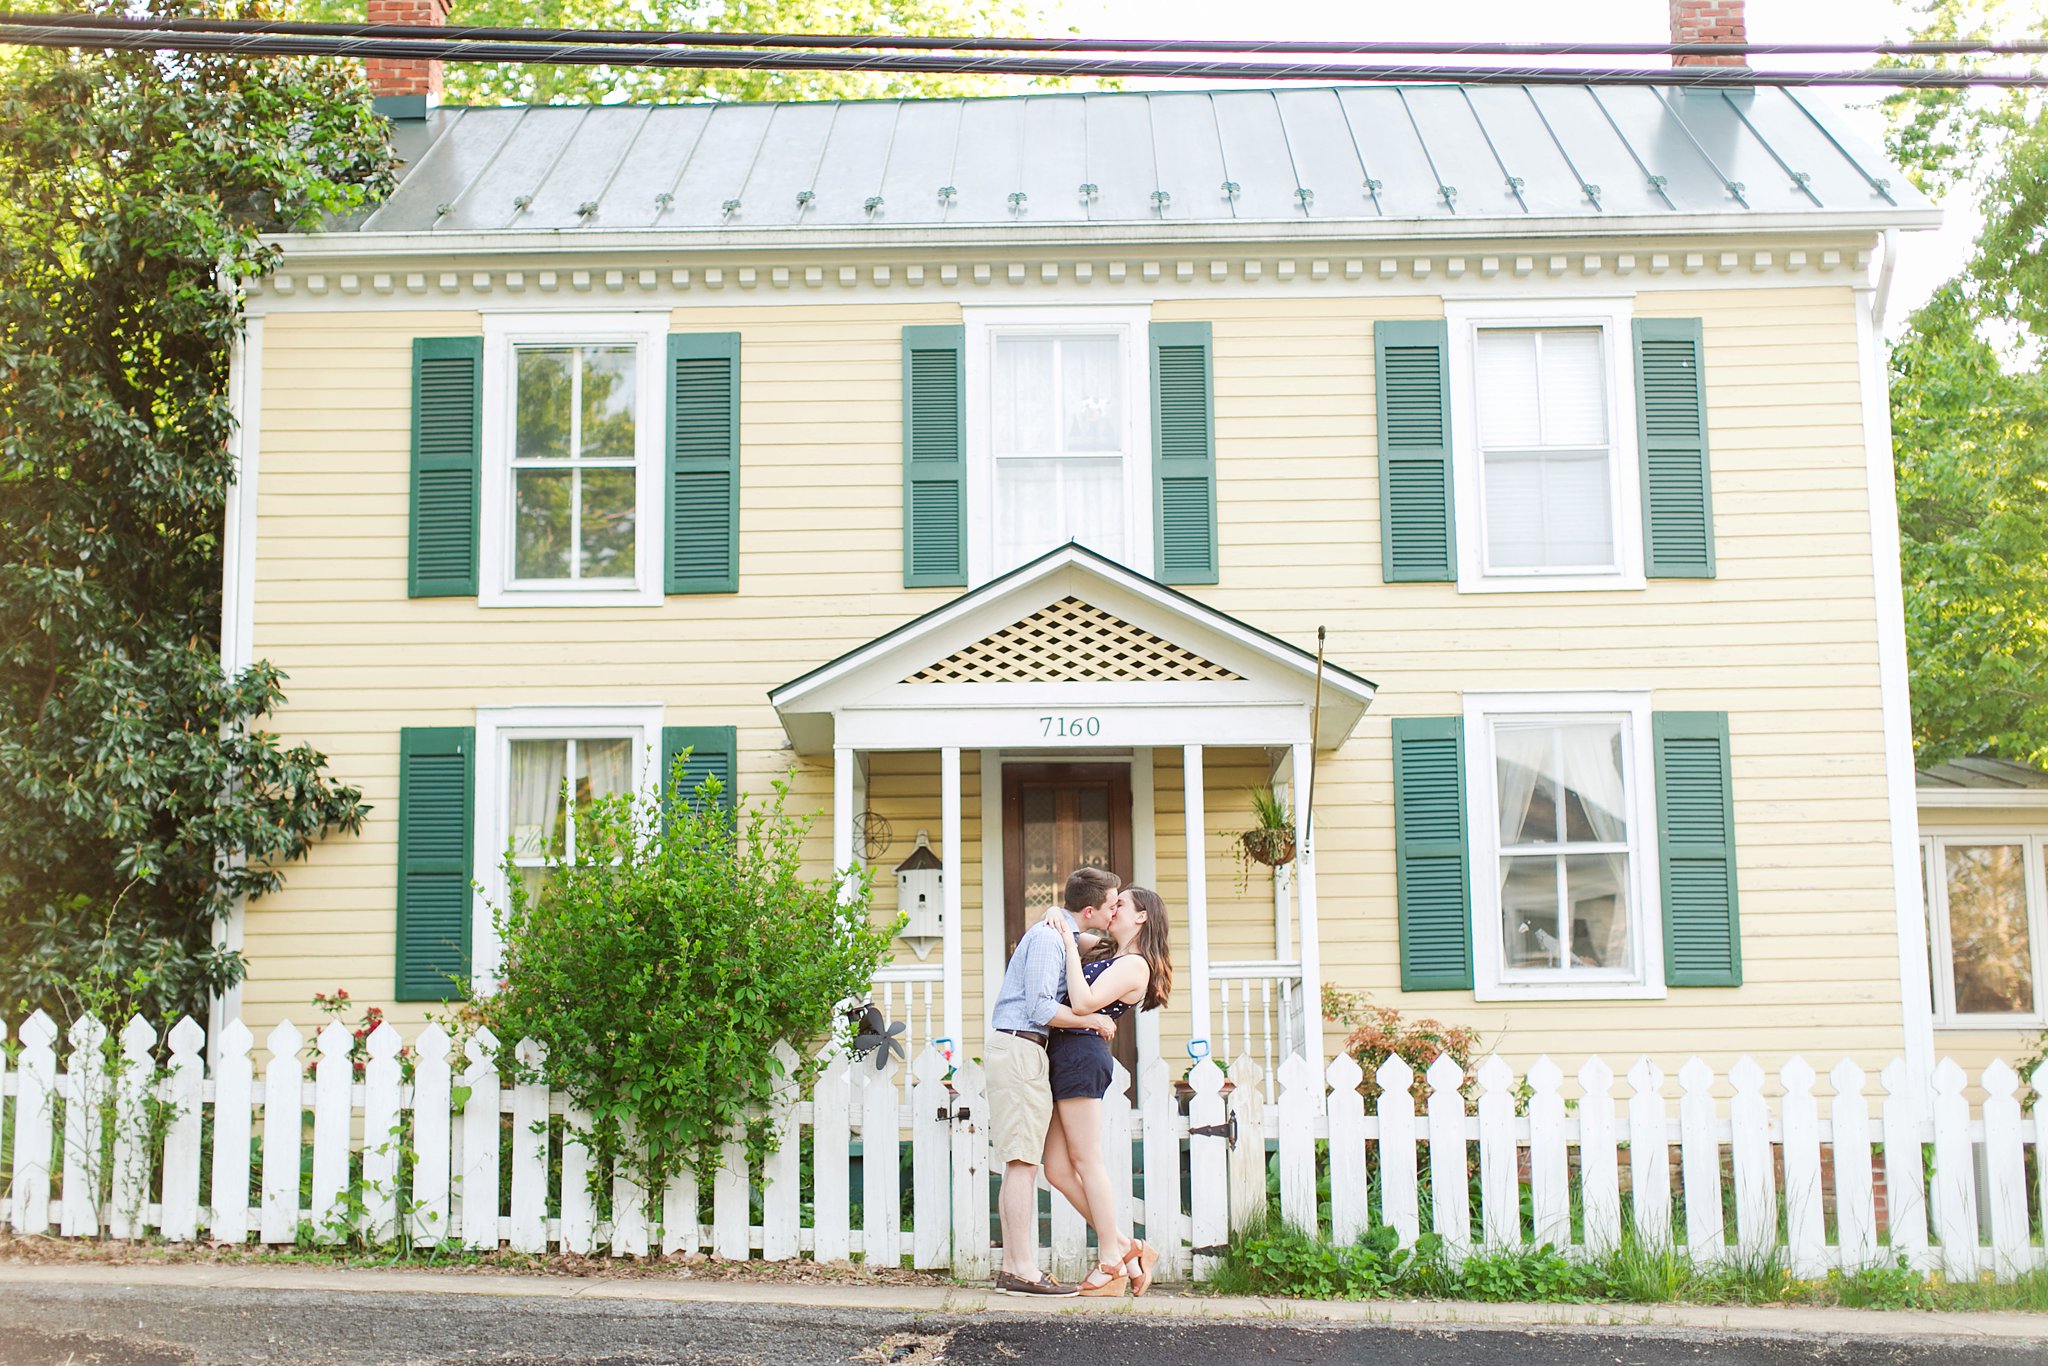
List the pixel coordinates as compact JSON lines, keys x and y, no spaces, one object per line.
{"x":1925,"y":258}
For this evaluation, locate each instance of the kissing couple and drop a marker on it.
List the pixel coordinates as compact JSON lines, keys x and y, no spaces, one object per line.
{"x":1073,"y":976}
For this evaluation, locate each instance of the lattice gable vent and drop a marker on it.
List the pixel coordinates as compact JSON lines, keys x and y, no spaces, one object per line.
{"x":1073,"y":642}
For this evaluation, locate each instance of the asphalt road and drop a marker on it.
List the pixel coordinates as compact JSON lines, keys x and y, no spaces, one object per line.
{"x":93,"y":1326}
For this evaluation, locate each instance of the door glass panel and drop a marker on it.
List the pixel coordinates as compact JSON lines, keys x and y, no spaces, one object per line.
{"x":1094,"y":831}
{"x":1044,"y":882}
{"x":1989,"y":940}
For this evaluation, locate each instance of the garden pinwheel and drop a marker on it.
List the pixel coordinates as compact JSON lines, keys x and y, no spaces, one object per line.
{"x":873,"y":1034}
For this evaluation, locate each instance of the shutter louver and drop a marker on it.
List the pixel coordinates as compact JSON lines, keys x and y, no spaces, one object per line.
{"x":1431,"y":854}
{"x":714,"y":753}
{"x":934,"y":458}
{"x":436,"y":806}
{"x":1671,"y":429}
{"x":703,"y":553}
{"x":1696,"y":850}
{"x":1184,"y":453}
{"x":447,"y":472}
{"x":1418,"y":542}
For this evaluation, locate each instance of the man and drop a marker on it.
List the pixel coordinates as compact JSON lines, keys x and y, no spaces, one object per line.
{"x":1019,"y":1089}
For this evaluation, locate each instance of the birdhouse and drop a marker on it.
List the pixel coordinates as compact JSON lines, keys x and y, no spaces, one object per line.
{"x":921,"y":896}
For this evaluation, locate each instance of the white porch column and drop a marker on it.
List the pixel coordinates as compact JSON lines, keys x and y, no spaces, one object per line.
{"x":1198,"y":891}
{"x":843,"y":817}
{"x":955,"y":845}
{"x":1305,"y":898}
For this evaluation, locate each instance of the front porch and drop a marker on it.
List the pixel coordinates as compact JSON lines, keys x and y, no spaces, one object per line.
{"x":1075,"y":712}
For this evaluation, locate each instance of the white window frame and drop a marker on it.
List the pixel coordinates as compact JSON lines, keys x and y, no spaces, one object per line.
{"x":1492,"y":981}
{"x":1934,"y":865}
{"x":503,"y":332}
{"x":983,"y":326}
{"x":1613,"y":317}
{"x":496,"y":729}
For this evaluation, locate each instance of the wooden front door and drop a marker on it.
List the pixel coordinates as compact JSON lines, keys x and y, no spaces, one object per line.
{"x":1056,"y":818}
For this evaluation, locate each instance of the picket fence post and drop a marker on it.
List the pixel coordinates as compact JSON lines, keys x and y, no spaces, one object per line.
{"x":481,"y":1114}
{"x":972,"y":1253}
{"x":1700,"y":1163}
{"x":1500,"y":1187}
{"x":931,"y":1156}
{"x":1756,"y":1181}
{"x":1805,"y":1224}
{"x":579,"y":1203}
{"x":1599,"y":1169}
{"x":731,"y":1237}
{"x":1450,"y":1207}
{"x":432,"y":1086}
{"x":1855,"y":1193}
{"x":781,"y":1195}
{"x":1550,"y":1205}
{"x":1165,"y":1220}
{"x":2006,"y":1166}
{"x":630,"y":1235}
{"x":1346,"y":1109}
{"x":84,"y":1113}
{"x":6,"y":1197}
{"x":381,"y":1137}
{"x":1246,"y":1182}
{"x":1955,"y":1174}
{"x":2039,"y":1081}
{"x":881,"y":1196}
{"x":179,"y":1220}
{"x":333,"y":1075}
{"x":1301,"y":1096}
{"x":1905,"y":1190}
{"x":680,"y":1228}
{"x":128,"y":1212}
{"x":234,"y":1077}
{"x":34,"y":1108}
{"x":529,"y":1225}
{"x":1209,"y":1165}
{"x":1116,"y":1145}
{"x":831,"y":1105}
{"x":1649,"y":1155}
{"x":1398,"y":1202}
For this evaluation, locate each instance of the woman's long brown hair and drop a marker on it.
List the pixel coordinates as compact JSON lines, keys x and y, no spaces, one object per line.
{"x":1155,"y":945}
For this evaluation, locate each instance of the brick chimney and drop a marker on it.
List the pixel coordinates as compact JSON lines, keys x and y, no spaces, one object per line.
{"x":1700,"y":21}
{"x":405,"y":87}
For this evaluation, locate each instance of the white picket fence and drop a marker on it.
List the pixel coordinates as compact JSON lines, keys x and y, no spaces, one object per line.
{"x":329,"y":1157}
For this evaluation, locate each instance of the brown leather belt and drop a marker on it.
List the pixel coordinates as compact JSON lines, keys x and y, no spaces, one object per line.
{"x":1025,"y":1035}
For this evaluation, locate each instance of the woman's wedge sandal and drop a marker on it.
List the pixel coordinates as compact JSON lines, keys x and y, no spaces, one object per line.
{"x":1146,"y":1257}
{"x":1114,"y":1283}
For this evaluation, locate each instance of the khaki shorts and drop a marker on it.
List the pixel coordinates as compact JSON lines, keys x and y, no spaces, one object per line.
{"x":1019,"y":1099}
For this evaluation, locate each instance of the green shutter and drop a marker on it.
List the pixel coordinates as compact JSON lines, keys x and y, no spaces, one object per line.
{"x":436,"y":808}
{"x":714,"y":753}
{"x":1430,"y":854}
{"x":1696,"y":849}
{"x":934,"y":457}
{"x":703,"y":469}
{"x":447,"y":468}
{"x":1184,"y":453}
{"x":1671,"y":429}
{"x":1418,"y":542}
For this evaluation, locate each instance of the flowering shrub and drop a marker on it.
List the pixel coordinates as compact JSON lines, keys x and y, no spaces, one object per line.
{"x":335,"y":1005}
{"x":1381,"y":1032}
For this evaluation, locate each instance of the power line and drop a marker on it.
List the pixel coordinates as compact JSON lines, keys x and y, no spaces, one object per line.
{"x":968,"y":43}
{"x":145,"y":35}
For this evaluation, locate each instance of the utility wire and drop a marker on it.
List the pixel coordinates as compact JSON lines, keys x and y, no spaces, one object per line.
{"x":921,"y":42}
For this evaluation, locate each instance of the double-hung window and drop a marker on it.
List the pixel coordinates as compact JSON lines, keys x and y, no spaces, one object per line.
{"x":573,"y":423}
{"x":1985,"y":918}
{"x":1545,"y":467}
{"x":1563,"y":831}
{"x":1059,"y":445}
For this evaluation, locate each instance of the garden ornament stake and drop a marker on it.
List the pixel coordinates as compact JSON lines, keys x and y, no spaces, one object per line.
{"x":873,"y":1034}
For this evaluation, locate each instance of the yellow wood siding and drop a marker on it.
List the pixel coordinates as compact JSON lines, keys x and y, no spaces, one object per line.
{"x":1784,"y":640}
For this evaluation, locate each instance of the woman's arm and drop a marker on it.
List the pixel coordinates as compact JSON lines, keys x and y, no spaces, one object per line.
{"x":1127,"y":975}
{"x":1066,"y":1018}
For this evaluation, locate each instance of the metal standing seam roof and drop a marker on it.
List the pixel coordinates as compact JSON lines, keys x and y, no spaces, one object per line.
{"x":1983,"y":775}
{"x":1336,"y":154}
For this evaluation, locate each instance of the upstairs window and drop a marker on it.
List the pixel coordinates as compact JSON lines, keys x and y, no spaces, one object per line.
{"x":574,"y":504}
{"x":1545,"y":450}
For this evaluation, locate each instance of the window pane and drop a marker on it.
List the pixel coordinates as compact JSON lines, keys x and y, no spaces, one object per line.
{"x":1574,"y":388}
{"x":1596,"y":885}
{"x":1507,"y":389}
{"x":1595,"y":804}
{"x":1091,"y":372}
{"x":535,"y":881}
{"x":1041,"y":504}
{"x":540,"y":523}
{"x":604,"y":769}
{"x":543,"y":403}
{"x":1527,"y":781}
{"x":608,"y":511}
{"x":1021,"y":397}
{"x":607,"y":403}
{"x":1528,"y":909}
{"x":535,"y":795}
{"x":1548,"y":511}
{"x":1989,"y":940}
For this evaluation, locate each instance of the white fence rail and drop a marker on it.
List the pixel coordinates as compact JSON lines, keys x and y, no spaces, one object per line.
{"x":334,"y":1147}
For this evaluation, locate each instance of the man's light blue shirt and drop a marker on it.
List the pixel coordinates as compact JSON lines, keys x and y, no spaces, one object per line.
{"x":1033,"y":982}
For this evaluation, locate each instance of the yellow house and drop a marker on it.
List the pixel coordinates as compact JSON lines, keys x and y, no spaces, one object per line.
{"x":1500,"y":474}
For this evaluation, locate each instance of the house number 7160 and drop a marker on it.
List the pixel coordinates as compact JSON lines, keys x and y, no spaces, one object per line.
{"x":1070,"y":727}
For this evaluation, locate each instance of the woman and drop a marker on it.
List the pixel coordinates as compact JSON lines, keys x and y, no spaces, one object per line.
{"x":1132,"y":965}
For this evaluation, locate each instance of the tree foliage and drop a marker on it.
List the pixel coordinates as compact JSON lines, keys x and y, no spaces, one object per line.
{"x":141,"y":799}
{"x":661,"y":969}
{"x":1970,"y":415}
{"x":507,"y":83}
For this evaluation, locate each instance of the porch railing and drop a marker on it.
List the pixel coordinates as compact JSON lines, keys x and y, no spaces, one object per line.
{"x":1255,"y":1013}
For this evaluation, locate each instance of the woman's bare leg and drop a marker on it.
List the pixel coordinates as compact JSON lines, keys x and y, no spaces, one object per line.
{"x":1060,"y":1173}
{"x":1081,"y":1123}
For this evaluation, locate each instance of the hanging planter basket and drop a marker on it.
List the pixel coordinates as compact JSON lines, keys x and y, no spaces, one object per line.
{"x":1274,"y":848}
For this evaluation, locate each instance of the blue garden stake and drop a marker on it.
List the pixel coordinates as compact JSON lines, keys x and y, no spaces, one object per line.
{"x":1198,"y":1049}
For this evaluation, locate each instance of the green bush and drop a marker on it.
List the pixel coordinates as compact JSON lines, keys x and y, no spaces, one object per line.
{"x":1284,"y":1261}
{"x":662,"y":969}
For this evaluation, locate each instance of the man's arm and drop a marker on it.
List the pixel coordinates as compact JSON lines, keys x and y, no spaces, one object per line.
{"x":1045,"y":971}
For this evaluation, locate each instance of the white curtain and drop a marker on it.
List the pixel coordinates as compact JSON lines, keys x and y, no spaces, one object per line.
{"x":1575,"y":769}
{"x":1057,"y":427}
{"x":538,"y":768}
{"x":1543,"y":431}
{"x":605,"y":768}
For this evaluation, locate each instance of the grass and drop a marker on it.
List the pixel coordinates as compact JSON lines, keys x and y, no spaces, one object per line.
{"x":1278,"y":1261}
